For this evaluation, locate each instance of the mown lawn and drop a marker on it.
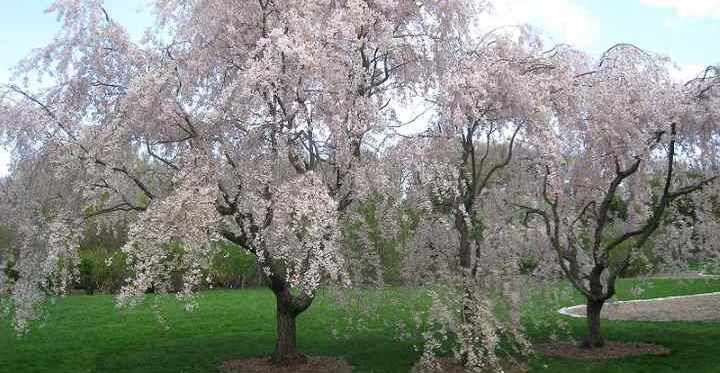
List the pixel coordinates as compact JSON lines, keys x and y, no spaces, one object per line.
{"x":87,"y":334}
{"x":695,"y":345}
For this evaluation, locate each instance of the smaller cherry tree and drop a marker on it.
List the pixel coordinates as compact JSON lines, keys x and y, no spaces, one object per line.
{"x":494,"y":92}
{"x":618,"y":131}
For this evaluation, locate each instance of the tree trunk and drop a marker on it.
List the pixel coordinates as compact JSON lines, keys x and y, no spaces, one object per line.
{"x":465,"y":250}
{"x":289,"y":307}
{"x":466,"y":263}
{"x":286,"y":344}
{"x":594,"y":337}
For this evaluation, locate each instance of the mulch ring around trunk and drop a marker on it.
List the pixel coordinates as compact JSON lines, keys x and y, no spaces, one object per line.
{"x":452,"y":365}
{"x":611,"y":350}
{"x":314,"y":364}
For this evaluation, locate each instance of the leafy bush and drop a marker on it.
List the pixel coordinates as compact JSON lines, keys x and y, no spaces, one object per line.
{"x":528,"y":265}
{"x":233,"y":267}
{"x":374,"y":250}
{"x":105,"y":270}
{"x":710,"y":268}
{"x":639,"y":265}
{"x":102,"y":270}
{"x":102,"y":265}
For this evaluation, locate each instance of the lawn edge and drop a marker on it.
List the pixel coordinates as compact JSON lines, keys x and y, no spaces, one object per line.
{"x":566,"y":310}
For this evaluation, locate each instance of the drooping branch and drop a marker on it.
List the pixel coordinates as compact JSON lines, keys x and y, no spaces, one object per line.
{"x":123,"y":170}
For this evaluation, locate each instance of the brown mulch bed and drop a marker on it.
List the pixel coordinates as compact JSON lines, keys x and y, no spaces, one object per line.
{"x":451,"y":365}
{"x":698,"y":308}
{"x":314,"y":364}
{"x":611,"y":350}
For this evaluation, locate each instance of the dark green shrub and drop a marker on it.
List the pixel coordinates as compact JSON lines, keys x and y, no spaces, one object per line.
{"x":367,"y":233}
{"x":88,"y":273}
{"x":640,"y":265}
{"x":233,"y":267}
{"x":102,"y":270}
{"x":528,"y":264}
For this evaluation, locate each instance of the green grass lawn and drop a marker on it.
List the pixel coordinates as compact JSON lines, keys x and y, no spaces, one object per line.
{"x":87,"y":334}
{"x":695,"y":345}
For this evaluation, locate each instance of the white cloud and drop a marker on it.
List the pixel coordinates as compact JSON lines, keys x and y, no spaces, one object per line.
{"x":562,"y":20}
{"x":688,"y":8}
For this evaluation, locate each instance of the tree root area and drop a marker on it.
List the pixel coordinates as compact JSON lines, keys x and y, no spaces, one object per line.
{"x":611,"y":350}
{"x":313,"y":364}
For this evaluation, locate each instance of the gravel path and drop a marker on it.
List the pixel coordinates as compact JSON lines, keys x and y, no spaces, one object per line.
{"x":701,"y":307}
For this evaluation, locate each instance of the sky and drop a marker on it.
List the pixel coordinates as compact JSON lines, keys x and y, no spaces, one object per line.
{"x":687,"y":31}
{"x":24,"y":26}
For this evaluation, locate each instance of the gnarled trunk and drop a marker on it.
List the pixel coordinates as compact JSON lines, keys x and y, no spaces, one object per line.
{"x":465,"y":250}
{"x":594,"y":337}
{"x":286,"y":343}
{"x":289,"y":307}
{"x":465,"y":255}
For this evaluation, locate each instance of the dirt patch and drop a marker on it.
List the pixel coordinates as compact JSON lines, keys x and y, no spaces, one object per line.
{"x":611,"y":350}
{"x":451,"y":365}
{"x":703,"y":307}
{"x":314,"y":364}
